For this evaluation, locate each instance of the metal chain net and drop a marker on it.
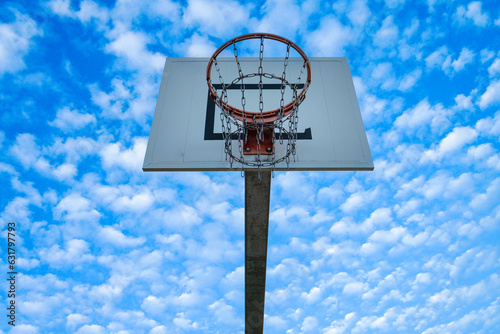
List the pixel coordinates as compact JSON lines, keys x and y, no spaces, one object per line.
{"x":235,"y":129}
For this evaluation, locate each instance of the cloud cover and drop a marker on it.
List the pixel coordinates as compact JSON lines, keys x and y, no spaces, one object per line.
{"x":410,"y":247}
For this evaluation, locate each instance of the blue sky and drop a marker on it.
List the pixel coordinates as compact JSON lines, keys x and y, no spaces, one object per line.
{"x":412,"y":247}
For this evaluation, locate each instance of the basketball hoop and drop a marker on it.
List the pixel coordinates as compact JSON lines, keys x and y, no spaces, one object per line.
{"x":258,"y":130}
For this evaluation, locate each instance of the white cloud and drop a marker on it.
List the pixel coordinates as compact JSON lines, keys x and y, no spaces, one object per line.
{"x":134,"y":99}
{"x":137,"y":203}
{"x":490,"y":222}
{"x":463,"y":102}
{"x":383,"y":76}
{"x":44,"y":283}
{"x":423,"y":278}
{"x":388,"y":33}
{"x":288,"y":268}
{"x":17,"y":209}
{"x":310,"y":324}
{"x":28,"y":153}
{"x":489,"y":317}
{"x":355,"y":288}
{"x":215,"y":247}
{"x":234,"y":279}
{"x":491,"y":96}
{"x":165,"y":8}
{"x":408,"y":208}
{"x":159,"y":330}
{"x":379,"y":218}
{"x":480,"y":152}
{"x":474,"y":13}
{"x":69,"y":120}
{"x":469,"y":230}
{"x":394,"y":3}
{"x":224,"y":313}
{"x":76,"y":252}
{"x":383,"y":73}
{"x":454,"y":141}
{"x":334,"y":251}
{"x":139,"y":105}
{"x":120,"y":92}
{"x":15,"y":42}
{"x":466,"y":57}
{"x":387,"y":236}
{"x":360,"y":86}
{"x":439,"y":59}
{"x":65,"y":171}
{"x":187,"y":299}
{"x":24,"y":329}
{"x":359,"y":199}
{"x":91,"y":329}
{"x":182,"y":217}
{"x":276,"y":322}
{"x":409,"y":80}
{"x":359,"y":13}
{"x":196,"y":46}
{"x":109,"y":235}
{"x":449,"y":297}
{"x":373,"y":108}
{"x":89,"y":11}
{"x":60,"y":7}
{"x":341,"y":326}
{"x":494,"y":162}
{"x":132,"y":48}
{"x":74,"y":149}
{"x":434,"y":187}
{"x":460,"y":185}
{"x":113,"y":155}
{"x":275,"y":297}
{"x":488,"y":125}
{"x":412,"y":29}
{"x":313,"y":296}
{"x":486,"y":55}
{"x":216,"y":17}
{"x":74,"y":320}
{"x":415,"y":241}
{"x":75,"y":207}
{"x":295,"y":187}
{"x":424,"y":114}
{"x":282,"y":17}
{"x":488,"y":198}
{"x":27,"y":264}
{"x":332,"y":193}
{"x":408,"y":50}
{"x":184,"y":323}
{"x":329,"y":39}
{"x":25,"y":150}
{"x":494,"y":68}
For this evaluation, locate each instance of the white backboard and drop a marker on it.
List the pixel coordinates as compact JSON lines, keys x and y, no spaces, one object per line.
{"x":186,"y":134}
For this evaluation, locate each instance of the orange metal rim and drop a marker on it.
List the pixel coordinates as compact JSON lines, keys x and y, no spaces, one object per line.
{"x":267,"y":116}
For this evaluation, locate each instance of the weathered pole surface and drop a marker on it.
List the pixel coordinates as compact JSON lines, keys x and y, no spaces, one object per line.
{"x":257,"y":197}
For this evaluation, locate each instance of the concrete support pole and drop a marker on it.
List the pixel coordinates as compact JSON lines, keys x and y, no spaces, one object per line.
{"x":257,"y":197}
